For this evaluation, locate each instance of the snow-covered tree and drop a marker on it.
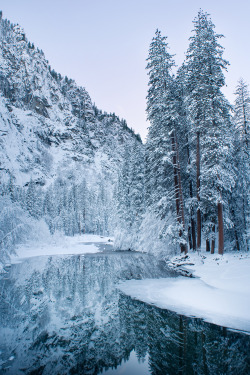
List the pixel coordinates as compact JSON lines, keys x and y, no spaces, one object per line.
{"x":187,"y":151}
{"x":241,"y":194}
{"x":130,"y":197}
{"x":16,"y":224}
{"x":209,"y":112}
{"x":242,"y":113}
{"x":163,"y":177}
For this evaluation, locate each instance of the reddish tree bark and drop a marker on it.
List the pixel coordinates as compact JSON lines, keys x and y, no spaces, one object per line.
{"x":179,"y":182}
{"x":183,"y":247}
{"x":178,"y":190}
{"x":213,"y":241}
{"x":193,"y":233}
{"x":198,"y":190}
{"x":192,"y":221}
{"x":220,"y":229}
{"x":176,"y":186}
{"x":190,"y":238}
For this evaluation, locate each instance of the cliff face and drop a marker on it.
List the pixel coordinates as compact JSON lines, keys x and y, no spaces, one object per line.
{"x":60,"y":156}
{"x":49,"y":125}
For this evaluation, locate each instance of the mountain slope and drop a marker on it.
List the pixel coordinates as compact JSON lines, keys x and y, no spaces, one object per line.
{"x":60,"y":156}
{"x":47,"y":122}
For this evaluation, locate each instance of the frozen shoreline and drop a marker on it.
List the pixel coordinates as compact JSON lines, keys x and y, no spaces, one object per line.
{"x":219,"y":294}
{"x":61,"y":245}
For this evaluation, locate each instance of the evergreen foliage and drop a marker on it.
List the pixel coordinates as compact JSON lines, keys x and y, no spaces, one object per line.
{"x":130,"y":197}
{"x":241,"y":194}
{"x":189,"y":184}
{"x":194,"y":154}
{"x":163,"y":179}
{"x":211,"y":125}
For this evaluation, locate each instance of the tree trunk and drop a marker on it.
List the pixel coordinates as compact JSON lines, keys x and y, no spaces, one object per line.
{"x":193,"y":233}
{"x":207,"y":245}
{"x":190,"y":238}
{"x":179,"y":182}
{"x":213,"y":240}
{"x":183,"y":247}
{"x":177,"y":185}
{"x":192,"y":221}
{"x":220,"y":229}
{"x":198,"y":191}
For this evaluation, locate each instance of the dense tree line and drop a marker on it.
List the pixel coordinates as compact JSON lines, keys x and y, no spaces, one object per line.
{"x":186,"y":188}
{"x":197,"y":150}
{"x":72,"y":208}
{"x":69,"y":207}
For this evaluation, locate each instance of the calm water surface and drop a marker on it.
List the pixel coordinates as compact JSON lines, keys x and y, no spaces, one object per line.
{"x":64,"y":315}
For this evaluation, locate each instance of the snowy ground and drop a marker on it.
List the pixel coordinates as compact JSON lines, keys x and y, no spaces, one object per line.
{"x":219,"y":293}
{"x":61,"y":245}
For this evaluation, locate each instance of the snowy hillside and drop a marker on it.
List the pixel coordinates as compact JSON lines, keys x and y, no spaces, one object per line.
{"x":60,"y":155}
{"x":48,"y":123}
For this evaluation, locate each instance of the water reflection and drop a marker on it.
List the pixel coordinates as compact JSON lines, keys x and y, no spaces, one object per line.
{"x":64,"y":315}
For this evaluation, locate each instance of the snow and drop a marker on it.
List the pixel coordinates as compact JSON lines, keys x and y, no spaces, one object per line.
{"x":219,"y":293}
{"x":61,"y":245}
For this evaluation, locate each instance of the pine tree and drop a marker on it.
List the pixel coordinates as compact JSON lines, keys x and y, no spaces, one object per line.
{"x":242,"y":114}
{"x":186,"y":155}
{"x":130,"y":196}
{"x":211,"y":123}
{"x":163,"y":177}
{"x":241,"y":195}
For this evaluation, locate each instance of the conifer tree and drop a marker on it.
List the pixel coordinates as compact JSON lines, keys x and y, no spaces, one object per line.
{"x":241,"y":195}
{"x":130,"y":196}
{"x":163,"y":177}
{"x":186,"y":156}
{"x":211,"y":123}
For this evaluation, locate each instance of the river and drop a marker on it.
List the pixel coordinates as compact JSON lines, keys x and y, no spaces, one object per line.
{"x":65,"y":315}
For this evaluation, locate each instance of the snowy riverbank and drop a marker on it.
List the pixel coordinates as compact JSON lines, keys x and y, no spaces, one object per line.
{"x":61,"y":245}
{"x":219,"y":293}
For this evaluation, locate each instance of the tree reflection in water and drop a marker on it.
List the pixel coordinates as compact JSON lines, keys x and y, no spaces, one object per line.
{"x":64,"y":315}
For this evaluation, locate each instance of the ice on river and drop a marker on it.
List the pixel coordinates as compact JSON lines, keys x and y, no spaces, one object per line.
{"x":219,"y":294}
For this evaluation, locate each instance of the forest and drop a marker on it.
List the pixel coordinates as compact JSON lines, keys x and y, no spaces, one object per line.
{"x":196,"y":158}
{"x":119,"y":255}
{"x":185,"y":189}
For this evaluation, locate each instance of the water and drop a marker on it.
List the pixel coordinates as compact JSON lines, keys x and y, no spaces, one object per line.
{"x":64,"y":315}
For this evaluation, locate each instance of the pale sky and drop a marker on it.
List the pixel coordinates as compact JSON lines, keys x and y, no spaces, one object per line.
{"x":103,"y":44}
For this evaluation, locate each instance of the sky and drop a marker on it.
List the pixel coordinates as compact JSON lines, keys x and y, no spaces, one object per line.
{"x":103,"y":44}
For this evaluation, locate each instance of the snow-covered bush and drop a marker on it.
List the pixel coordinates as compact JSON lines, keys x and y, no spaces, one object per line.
{"x":155,"y":236}
{"x":17,"y":226}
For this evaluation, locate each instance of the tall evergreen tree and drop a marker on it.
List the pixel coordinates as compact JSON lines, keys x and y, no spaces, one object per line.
{"x":163,"y":177}
{"x":211,"y":124}
{"x":242,"y":114}
{"x":241,"y":195}
{"x":186,"y":156}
